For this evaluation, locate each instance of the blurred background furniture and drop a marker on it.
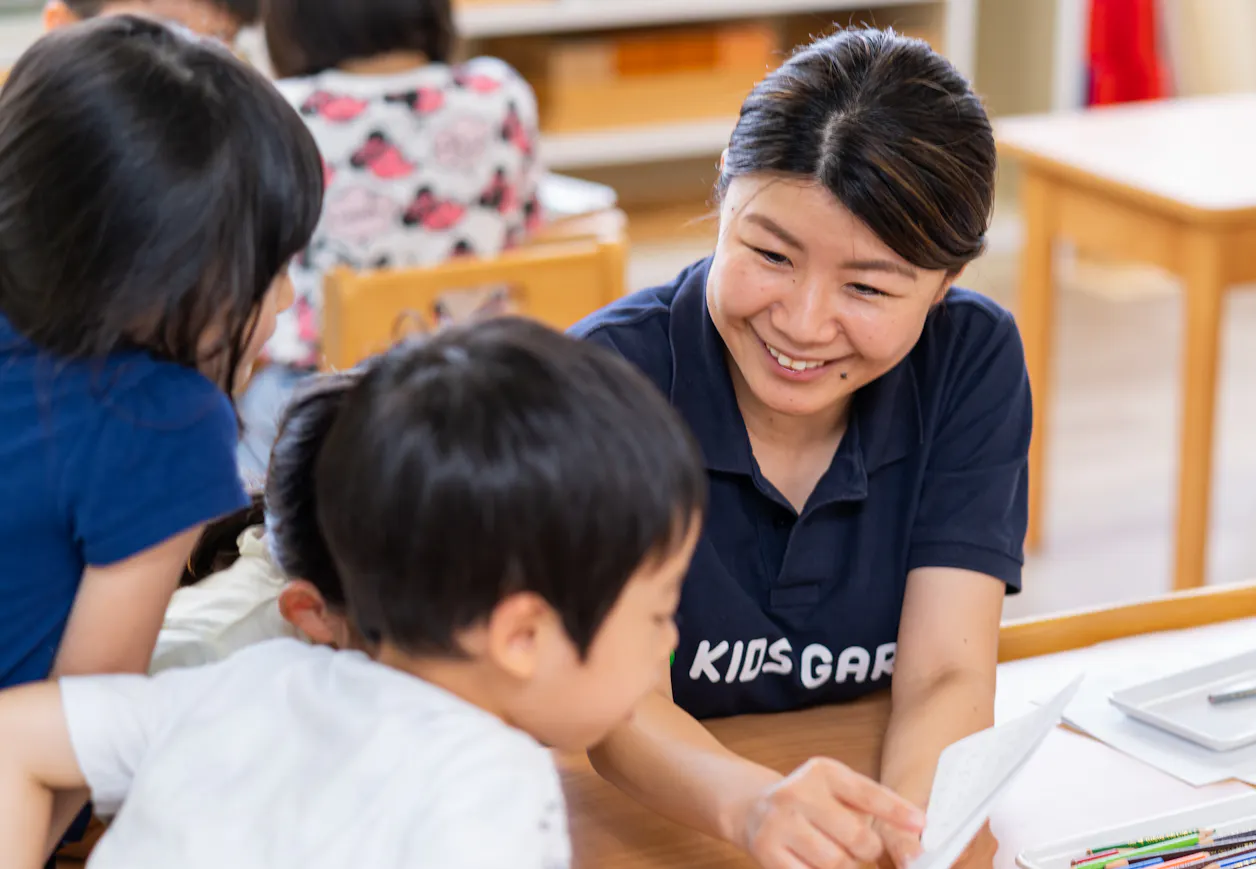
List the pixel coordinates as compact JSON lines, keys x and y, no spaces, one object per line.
{"x":1168,"y":183}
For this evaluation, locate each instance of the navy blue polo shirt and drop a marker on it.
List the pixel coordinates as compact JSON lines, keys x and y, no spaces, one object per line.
{"x":783,"y":610}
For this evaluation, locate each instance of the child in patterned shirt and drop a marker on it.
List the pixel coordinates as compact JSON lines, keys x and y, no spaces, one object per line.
{"x":425,"y":160}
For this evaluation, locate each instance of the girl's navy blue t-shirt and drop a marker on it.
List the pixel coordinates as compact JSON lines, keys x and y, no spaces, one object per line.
{"x":783,"y":610}
{"x":99,"y":461}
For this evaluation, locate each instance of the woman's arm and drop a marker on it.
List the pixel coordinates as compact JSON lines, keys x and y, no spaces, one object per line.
{"x":36,"y":760}
{"x":944,"y":674}
{"x":664,"y":745}
{"x":814,"y":817}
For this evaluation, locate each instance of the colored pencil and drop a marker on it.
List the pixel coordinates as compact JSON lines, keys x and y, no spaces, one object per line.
{"x":1193,"y":849}
{"x":1142,"y":843}
{"x":1233,"y":854}
{"x":1245,"y":692}
{"x":1134,"y":855}
{"x":1217,"y":846}
{"x":1236,"y":863}
{"x":1248,"y":836}
{"x":1090,"y":858}
{"x":1225,"y":857}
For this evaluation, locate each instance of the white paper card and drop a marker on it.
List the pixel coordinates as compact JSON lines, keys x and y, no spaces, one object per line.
{"x":1091,"y":713}
{"x":973,"y":772}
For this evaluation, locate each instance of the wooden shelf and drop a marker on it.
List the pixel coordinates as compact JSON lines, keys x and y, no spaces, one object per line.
{"x":485,"y":20}
{"x":564,"y":152}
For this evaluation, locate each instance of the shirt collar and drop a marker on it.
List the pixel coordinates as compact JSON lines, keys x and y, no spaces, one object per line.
{"x":886,"y":418}
{"x":702,"y":389}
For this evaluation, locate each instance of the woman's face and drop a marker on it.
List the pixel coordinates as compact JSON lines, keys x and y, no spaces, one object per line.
{"x":810,"y":303}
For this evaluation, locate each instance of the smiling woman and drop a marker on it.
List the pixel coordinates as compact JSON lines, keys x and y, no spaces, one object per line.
{"x":865,"y":426}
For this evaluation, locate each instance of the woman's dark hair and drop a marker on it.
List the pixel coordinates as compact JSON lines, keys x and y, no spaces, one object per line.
{"x":152,"y":187}
{"x":306,"y":37}
{"x":497,"y":458}
{"x":887,"y":126}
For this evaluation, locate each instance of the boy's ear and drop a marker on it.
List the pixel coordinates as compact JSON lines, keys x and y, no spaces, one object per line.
{"x":303,"y":607}
{"x":514,"y":637}
{"x":58,"y":15}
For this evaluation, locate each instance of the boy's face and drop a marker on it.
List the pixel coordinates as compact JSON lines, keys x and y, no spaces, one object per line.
{"x":201,"y":16}
{"x":573,"y":704}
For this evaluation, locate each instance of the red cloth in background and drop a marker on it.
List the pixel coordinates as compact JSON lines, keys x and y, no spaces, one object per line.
{"x":1125,"y":60}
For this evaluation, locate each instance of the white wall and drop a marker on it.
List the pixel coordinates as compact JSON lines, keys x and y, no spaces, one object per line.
{"x":17,"y":31}
{"x":1210,"y":45}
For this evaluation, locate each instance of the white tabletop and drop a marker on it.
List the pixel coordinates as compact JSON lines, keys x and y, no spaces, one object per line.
{"x":1075,"y":784}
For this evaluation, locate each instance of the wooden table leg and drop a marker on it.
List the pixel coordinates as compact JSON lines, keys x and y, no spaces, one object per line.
{"x":1035,"y":317}
{"x":1204,"y":273}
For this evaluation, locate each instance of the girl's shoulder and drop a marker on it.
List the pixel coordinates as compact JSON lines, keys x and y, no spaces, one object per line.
{"x":138,"y":389}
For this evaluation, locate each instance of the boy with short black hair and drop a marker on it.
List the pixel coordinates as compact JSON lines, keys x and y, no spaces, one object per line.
{"x":511,"y":513}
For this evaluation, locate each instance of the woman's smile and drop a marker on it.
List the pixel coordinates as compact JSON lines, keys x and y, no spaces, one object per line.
{"x":795,"y":368}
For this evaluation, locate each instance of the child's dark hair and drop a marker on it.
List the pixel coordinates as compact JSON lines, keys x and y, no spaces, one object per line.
{"x":496,"y":458}
{"x":152,"y":187}
{"x":306,"y":37}
{"x":218,"y":547}
{"x":287,"y":507}
{"x":296,"y":543}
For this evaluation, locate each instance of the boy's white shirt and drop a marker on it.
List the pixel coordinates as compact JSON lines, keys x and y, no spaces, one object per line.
{"x":225,"y":612}
{"x":292,"y":755}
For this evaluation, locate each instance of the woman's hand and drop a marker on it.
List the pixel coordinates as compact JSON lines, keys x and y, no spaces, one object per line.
{"x":819,"y":817}
{"x":901,"y":847}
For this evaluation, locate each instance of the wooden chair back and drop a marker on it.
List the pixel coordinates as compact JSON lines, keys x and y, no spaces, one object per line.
{"x":1062,"y":632}
{"x":558,"y":283}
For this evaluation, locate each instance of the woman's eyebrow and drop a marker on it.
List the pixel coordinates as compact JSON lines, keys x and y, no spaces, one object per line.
{"x":775,"y":228}
{"x":880,"y":265}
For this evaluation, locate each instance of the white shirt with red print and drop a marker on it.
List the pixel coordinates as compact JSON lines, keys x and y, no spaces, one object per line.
{"x":421,"y":166}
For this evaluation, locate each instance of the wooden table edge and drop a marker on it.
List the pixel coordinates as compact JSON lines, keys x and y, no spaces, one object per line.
{"x":1062,"y":171}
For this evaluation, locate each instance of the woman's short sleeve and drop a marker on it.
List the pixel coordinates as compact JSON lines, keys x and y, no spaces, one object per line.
{"x":973,"y":507}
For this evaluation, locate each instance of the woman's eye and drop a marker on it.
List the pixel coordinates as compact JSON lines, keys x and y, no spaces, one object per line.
{"x":865,"y":290}
{"x":772,"y":258}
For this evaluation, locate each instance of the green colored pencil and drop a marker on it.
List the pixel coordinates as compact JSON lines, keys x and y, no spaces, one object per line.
{"x":1132,"y":855}
{"x":1142,"y":843}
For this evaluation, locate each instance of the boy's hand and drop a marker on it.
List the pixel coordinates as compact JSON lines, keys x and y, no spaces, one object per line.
{"x":818,"y":818}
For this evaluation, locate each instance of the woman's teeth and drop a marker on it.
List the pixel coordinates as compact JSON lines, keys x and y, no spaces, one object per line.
{"x":792,"y":364}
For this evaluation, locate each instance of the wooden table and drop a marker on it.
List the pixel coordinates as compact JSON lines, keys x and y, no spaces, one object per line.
{"x":1172,"y":184}
{"x":610,"y":831}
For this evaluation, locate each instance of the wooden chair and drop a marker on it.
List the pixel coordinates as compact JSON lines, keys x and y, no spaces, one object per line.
{"x":558,"y":281}
{"x":1062,"y":632}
